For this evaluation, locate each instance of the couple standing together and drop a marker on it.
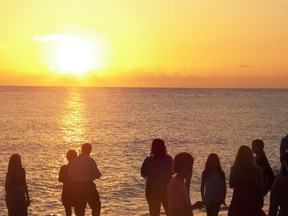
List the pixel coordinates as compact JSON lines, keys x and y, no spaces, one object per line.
{"x":78,"y":186}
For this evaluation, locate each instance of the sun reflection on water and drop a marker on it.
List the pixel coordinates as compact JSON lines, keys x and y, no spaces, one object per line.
{"x":73,"y":124}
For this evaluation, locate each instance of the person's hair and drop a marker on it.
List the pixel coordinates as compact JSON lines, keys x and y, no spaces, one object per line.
{"x":212,"y":159}
{"x":259,"y":143}
{"x":183,"y":160}
{"x":244,"y":164}
{"x":158,"y":148}
{"x":285,"y":156}
{"x":71,"y":154}
{"x":86,"y":148}
{"x":15,"y":163}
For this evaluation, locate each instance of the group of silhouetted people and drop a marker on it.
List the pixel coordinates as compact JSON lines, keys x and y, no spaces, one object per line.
{"x":168,"y":183}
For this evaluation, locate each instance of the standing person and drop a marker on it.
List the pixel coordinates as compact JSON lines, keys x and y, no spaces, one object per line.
{"x":17,"y":196}
{"x":158,"y":170}
{"x":262,"y":162}
{"x":83,"y":171}
{"x":279,"y":194}
{"x":179,"y":202}
{"x":213,"y":185}
{"x":283,"y":149}
{"x":67,"y":190}
{"x":247,"y":180}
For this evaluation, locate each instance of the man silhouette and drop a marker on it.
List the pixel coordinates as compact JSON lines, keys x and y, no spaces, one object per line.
{"x":83,"y":171}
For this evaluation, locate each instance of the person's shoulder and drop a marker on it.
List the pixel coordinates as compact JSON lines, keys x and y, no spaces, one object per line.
{"x":280,"y":184}
{"x":169,"y":157}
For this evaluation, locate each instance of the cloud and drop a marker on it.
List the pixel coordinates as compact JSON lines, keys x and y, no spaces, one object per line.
{"x":55,"y":38}
{"x":245,"y":66}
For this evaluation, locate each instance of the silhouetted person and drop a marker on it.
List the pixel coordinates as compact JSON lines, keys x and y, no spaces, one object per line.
{"x":67,"y":196}
{"x":158,"y":170}
{"x":262,"y":162}
{"x":178,"y":194}
{"x":279,"y":194}
{"x":213,"y":185}
{"x":247,"y":181}
{"x":283,"y":149}
{"x":17,"y":197}
{"x":83,"y":171}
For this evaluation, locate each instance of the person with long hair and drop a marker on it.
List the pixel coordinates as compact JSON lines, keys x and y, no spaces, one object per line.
{"x":247,"y":181}
{"x":17,"y":196}
{"x":158,"y":170}
{"x":213,"y":185}
{"x":179,"y":202}
{"x":67,"y":196}
{"x":279,"y":193}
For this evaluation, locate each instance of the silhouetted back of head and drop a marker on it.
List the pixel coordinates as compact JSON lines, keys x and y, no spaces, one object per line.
{"x":158,"y":148}
{"x":86,"y":148}
{"x":14,"y":163}
{"x":183,"y":161}
{"x":71,"y":154}
{"x":259,"y":143}
{"x":213,"y":162}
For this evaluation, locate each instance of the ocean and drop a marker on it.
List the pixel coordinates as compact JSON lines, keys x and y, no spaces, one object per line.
{"x":43,"y":123}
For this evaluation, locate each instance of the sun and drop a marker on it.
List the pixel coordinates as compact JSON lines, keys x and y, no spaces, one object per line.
{"x":74,"y":55}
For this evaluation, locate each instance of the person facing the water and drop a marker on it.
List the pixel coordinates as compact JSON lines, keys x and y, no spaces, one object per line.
{"x":179,"y":202}
{"x":158,"y":170}
{"x":279,"y":194}
{"x":283,"y":149}
{"x":262,"y":162}
{"x":17,"y":196}
{"x":247,"y":181}
{"x":67,"y":190}
{"x":83,"y":171}
{"x":213,"y":185}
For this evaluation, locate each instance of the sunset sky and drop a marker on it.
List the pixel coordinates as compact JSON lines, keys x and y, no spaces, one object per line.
{"x":144,"y":43}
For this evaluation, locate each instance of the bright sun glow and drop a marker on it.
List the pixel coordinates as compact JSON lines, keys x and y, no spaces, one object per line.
{"x":67,"y":54}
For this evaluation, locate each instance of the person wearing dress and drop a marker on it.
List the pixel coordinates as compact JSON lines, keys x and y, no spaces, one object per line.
{"x":179,"y":202}
{"x":213,"y":185}
{"x":279,"y":194}
{"x":67,"y":196}
{"x":247,"y":181}
{"x":158,"y":170}
{"x":17,"y":196}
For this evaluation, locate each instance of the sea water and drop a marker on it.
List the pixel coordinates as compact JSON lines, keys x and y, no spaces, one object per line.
{"x":43,"y":123}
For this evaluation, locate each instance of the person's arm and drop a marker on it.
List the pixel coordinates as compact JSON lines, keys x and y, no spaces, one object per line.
{"x":95,"y":171}
{"x":144,"y":171}
{"x":231,"y":180}
{"x":260,"y":179}
{"x":202,"y":186}
{"x":26,"y":190}
{"x":274,"y":201}
{"x":223,"y":179}
{"x":197,"y":205}
{"x":61,"y":175}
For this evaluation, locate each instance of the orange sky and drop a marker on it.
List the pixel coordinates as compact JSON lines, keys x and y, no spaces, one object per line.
{"x":163,"y":43}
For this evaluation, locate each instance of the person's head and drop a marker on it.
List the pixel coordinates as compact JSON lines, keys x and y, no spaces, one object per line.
{"x":71,"y":154}
{"x":14,"y":163}
{"x":244,"y":162}
{"x":158,"y":148}
{"x":257,"y":146}
{"x":213,"y":163}
{"x":183,"y":164}
{"x":86,"y":148}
